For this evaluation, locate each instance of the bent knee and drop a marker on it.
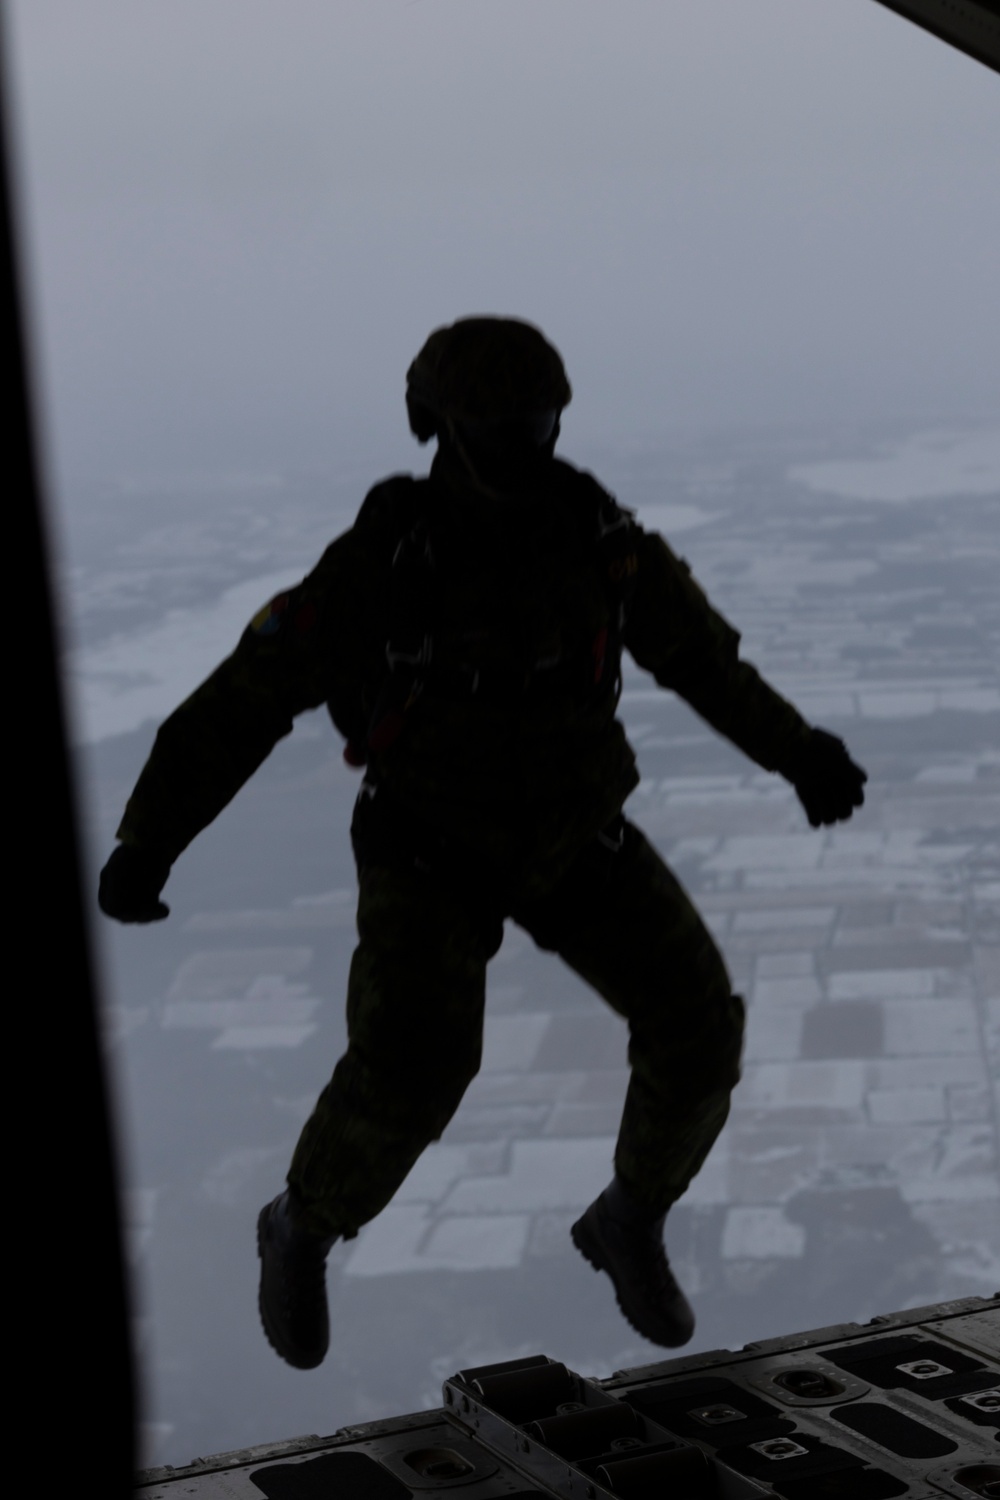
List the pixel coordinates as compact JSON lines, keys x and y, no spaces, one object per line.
{"x":694,"y":1053}
{"x":715,"y":1047}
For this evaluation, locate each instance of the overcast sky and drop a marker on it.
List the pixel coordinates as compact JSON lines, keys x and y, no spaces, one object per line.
{"x":244,"y":216}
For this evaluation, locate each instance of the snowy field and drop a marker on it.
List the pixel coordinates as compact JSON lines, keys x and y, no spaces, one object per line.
{"x":858,"y":1172}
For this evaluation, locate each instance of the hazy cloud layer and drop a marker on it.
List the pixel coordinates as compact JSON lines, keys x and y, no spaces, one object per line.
{"x":926,"y":466}
{"x":244,"y":218}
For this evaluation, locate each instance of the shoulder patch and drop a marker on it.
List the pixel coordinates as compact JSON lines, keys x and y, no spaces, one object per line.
{"x":267,"y":621}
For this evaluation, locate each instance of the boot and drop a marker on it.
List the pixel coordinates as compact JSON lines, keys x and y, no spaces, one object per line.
{"x":616,"y":1235}
{"x":292,"y":1297}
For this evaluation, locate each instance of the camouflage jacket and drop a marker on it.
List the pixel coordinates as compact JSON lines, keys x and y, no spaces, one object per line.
{"x":497,"y":727}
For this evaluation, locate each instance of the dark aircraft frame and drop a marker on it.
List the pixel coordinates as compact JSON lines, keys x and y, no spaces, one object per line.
{"x":971,"y":25}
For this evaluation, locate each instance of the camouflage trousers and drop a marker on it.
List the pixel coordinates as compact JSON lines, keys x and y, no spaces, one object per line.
{"x":415,"y":1002}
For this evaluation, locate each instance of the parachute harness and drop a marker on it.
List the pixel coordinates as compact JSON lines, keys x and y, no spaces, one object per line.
{"x":409,"y":649}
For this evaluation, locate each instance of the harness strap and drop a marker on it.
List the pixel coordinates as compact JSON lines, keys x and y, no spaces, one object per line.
{"x":619,"y":564}
{"x":410,"y":647}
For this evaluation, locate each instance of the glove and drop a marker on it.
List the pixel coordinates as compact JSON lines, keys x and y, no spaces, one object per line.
{"x":131,"y":883}
{"x":826,"y":780}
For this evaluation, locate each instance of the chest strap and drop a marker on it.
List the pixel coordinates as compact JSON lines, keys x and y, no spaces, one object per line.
{"x":410,"y":647}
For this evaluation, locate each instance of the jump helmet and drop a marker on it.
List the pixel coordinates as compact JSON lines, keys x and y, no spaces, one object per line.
{"x":493,"y":386}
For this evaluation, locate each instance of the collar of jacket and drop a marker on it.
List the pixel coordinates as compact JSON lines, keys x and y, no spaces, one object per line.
{"x":463,"y":493}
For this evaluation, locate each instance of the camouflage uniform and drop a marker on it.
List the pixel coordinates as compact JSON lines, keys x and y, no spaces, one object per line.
{"x":496,"y":776}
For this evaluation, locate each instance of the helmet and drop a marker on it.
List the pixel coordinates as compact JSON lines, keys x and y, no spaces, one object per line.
{"x":486,"y":373}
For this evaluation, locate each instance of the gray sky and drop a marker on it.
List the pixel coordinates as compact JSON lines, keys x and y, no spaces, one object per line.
{"x":244,"y":217}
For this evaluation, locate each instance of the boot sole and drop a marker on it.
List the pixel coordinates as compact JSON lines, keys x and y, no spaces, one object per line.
{"x":297,"y":1363}
{"x":586,"y":1242}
